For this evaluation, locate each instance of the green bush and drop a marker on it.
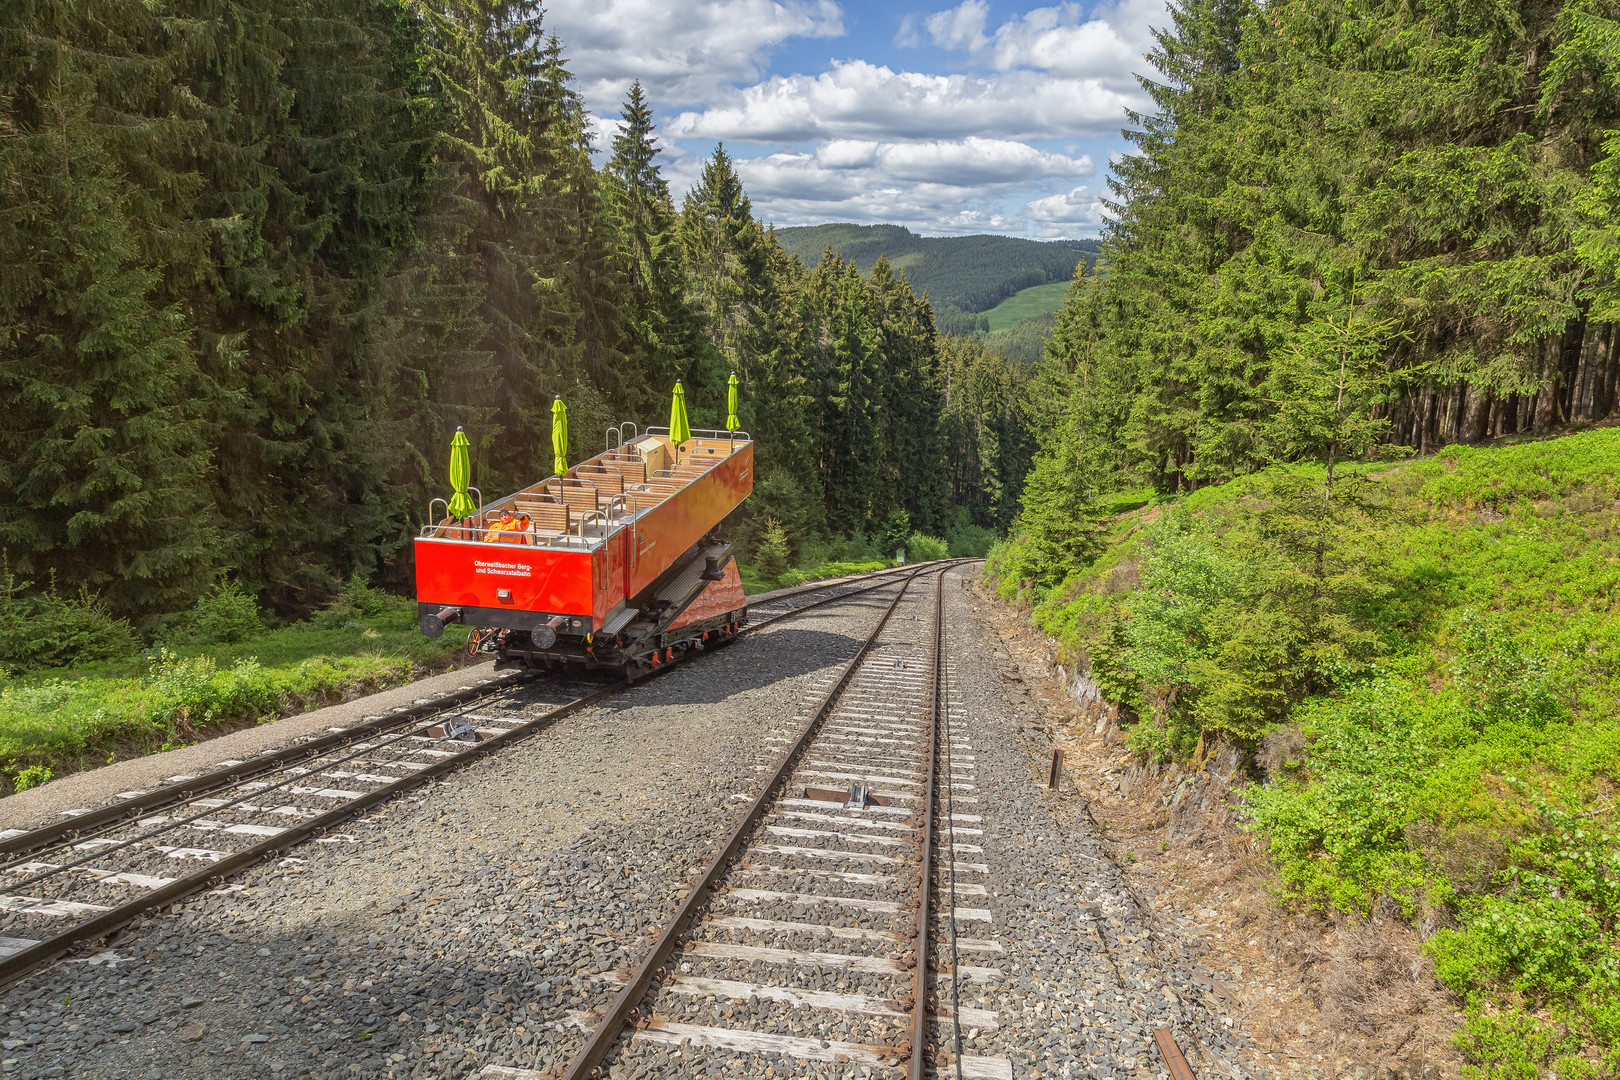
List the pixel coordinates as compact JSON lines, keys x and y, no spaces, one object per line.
{"x":967,"y":540}
{"x":896,"y":533}
{"x":354,"y":603}
{"x":1503,"y":679}
{"x":921,"y":547}
{"x":31,"y":777}
{"x":48,"y":630}
{"x":1507,"y":1046}
{"x":226,"y":613}
{"x":772,"y":559}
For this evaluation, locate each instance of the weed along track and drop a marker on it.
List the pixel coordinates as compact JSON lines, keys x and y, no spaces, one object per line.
{"x":808,"y":937}
{"x":72,"y":884}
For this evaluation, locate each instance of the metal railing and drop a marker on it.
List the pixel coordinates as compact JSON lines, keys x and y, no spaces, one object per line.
{"x":659,"y":486}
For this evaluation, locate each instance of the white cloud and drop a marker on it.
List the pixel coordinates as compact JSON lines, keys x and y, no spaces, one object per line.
{"x":683,"y":53}
{"x":1079,"y":206}
{"x":1107,"y":43}
{"x":856,"y":99}
{"x":936,"y":187}
{"x":963,"y":166}
{"x":961,"y":28}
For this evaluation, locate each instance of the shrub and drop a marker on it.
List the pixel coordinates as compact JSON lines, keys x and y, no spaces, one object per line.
{"x":1502,"y":678}
{"x":772,"y":561}
{"x":924,"y":548}
{"x":32,"y":777}
{"x":48,"y":630}
{"x":363,"y":598}
{"x":967,"y":540}
{"x":194,"y":692}
{"x":1506,"y":1046}
{"x":859,"y":549}
{"x":355,"y":601}
{"x":226,"y":613}
{"x":896,"y":531}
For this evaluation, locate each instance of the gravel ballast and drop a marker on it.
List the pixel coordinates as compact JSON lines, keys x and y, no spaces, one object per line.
{"x":488,"y":918}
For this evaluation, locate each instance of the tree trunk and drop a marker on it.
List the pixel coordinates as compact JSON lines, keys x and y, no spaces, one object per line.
{"x":1580,"y":392}
{"x":1547,"y":396}
{"x":1493,"y":421}
{"x":1603,"y":391}
{"x":1459,"y":409}
{"x":1426,"y":418}
{"x":1476,"y":414}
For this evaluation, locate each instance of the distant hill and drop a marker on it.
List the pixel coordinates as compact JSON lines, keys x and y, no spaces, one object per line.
{"x":970,"y":273}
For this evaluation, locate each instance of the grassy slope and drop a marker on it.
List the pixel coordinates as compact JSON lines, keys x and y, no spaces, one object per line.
{"x":78,"y":718}
{"x":1471,"y":776}
{"x":972,"y":272}
{"x":1030,"y":303}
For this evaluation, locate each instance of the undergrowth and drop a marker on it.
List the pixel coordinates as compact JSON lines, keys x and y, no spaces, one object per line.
{"x":222,"y":669}
{"x":1429,"y":665}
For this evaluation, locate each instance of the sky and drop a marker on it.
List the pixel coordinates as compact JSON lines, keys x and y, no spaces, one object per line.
{"x":982,"y":117}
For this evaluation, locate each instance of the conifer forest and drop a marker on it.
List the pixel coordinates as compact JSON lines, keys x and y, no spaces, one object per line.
{"x":264,"y":257}
{"x":1316,"y":469}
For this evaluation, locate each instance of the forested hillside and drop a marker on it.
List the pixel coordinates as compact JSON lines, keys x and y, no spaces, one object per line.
{"x":960,"y":274}
{"x":1357,"y":235}
{"x":262,"y":257}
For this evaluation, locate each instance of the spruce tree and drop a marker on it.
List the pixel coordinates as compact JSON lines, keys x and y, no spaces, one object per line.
{"x":103,"y":455}
{"x":507,"y":129}
{"x":661,"y":330}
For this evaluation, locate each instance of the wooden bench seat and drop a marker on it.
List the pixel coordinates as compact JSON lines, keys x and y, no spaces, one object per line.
{"x":548,"y":517}
{"x":579,"y":497}
{"x":631,"y":467}
{"x":608,"y":479}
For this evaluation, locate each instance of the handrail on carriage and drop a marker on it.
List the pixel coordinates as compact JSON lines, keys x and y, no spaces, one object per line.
{"x":707,"y":433}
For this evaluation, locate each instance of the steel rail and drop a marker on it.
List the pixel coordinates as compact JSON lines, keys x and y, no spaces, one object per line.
{"x":18,"y":964}
{"x":625,"y":1006}
{"x":115,"y":813}
{"x":919,"y":1006}
{"x":909,"y":568}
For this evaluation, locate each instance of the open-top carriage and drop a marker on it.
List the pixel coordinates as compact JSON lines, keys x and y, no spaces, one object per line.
{"x":620,"y":561}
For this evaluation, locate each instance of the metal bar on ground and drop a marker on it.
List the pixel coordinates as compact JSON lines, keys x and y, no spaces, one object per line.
{"x":1056,"y":773}
{"x":1174,"y":1062}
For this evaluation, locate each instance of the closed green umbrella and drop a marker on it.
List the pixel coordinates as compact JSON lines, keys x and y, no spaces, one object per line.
{"x":679,"y":429}
{"x":732,"y":423}
{"x":461,"y":503}
{"x":559,"y":436}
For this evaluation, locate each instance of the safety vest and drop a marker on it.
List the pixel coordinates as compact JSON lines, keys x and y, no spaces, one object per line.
{"x":509,"y":530}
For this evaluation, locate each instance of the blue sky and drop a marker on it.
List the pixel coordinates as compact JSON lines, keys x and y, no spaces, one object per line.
{"x":949,"y":119}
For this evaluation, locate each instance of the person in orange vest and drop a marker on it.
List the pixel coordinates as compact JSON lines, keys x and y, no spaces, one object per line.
{"x":510,"y":529}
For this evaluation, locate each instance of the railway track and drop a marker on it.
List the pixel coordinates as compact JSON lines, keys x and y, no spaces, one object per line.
{"x":809,"y":935}
{"x":74,"y":883}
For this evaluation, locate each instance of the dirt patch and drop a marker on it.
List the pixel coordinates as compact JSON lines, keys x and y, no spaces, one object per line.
{"x":1319,"y":994}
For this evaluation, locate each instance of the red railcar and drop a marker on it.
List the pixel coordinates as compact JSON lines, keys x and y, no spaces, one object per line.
{"x":620,"y":562}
